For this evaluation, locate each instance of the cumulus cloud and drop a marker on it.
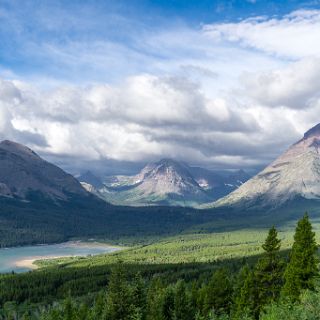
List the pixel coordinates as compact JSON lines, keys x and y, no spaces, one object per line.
{"x":144,"y":118}
{"x":296,"y":86}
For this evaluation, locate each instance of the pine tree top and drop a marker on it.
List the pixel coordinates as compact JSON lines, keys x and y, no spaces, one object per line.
{"x":272,"y":243}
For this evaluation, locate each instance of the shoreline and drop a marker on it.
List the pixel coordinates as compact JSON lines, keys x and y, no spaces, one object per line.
{"x":29,"y":262}
{"x":79,"y":243}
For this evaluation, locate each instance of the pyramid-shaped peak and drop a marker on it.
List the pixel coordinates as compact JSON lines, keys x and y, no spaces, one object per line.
{"x":168,"y":162}
{"x":313,"y":132}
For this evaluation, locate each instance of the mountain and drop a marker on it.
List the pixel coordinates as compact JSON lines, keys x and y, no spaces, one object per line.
{"x":218,"y":184}
{"x":40,"y":203}
{"x":167,"y":182}
{"x":294,"y":175}
{"x":23,"y":172}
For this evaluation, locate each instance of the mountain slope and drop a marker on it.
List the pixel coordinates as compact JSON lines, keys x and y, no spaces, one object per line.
{"x":295,"y":174}
{"x":22,"y":172}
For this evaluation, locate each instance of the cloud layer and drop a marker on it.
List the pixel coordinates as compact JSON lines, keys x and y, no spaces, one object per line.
{"x":227,"y":95}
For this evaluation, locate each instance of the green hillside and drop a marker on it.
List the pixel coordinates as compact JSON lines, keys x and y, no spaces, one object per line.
{"x":204,"y":265}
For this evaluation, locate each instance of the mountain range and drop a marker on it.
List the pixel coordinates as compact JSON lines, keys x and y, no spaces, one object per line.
{"x":40,"y":203}
{"x":166,"y":182}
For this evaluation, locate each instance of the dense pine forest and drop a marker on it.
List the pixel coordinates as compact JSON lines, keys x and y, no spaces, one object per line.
{"x":273,"y":285}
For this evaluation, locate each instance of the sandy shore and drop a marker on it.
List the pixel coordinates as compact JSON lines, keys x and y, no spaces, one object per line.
{"x":29,"y":263}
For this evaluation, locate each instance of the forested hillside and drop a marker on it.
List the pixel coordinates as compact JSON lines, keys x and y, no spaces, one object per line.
{"x":272,"y":285}
{"x":40,"y":220}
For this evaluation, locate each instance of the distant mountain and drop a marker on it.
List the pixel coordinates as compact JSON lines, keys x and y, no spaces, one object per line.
{"x":218,"y":184}
{"x":294,"y":175}
{"x":167,"y":182}
{"x":23,"y":172}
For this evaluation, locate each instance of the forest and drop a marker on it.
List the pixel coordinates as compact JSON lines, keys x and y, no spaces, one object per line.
{"x":272,"y":285}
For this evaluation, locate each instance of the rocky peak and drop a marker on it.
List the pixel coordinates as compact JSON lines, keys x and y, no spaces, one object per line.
{"x":170,"y":164}
{"x":313,"y":132}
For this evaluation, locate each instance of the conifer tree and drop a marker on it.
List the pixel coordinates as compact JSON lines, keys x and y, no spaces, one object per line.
{"x":181,"y":302}
{"x":245,"y":293}
{"x":155,"y":298}
{"x":168,"y":304}
{"x":194,"y":294}
{"x":119,"y":298}
{"x":302,"y":267}
{"x":202,"y":301}
{"x":139,"y":296}
{"x":269,"y":271}
{"x":219,"y":293}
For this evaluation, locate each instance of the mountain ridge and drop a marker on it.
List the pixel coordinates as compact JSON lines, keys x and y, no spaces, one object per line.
{"x":294,"y":174}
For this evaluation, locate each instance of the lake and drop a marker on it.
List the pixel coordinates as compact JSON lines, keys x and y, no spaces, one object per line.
{"x":19,"y":259}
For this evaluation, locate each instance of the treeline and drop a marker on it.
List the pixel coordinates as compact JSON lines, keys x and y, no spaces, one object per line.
{"x":272,"y":288}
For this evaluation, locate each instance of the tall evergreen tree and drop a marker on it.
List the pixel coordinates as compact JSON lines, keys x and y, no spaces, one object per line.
{"x":245,"y":293}
{"x":119,"y":299}
{"x":155,"y":298}
{"x":168,"y":303}
{"x":268,"y":271}
{"x":139,"y":296}
{"x":219,"y":293}
{"x":302,"y":267}
{"x":182,"y":310}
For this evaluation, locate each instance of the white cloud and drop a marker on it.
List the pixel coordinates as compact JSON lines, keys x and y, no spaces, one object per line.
{"x":296,"y":86}
{"x":295,"y":35}
{"x":144,"y":118}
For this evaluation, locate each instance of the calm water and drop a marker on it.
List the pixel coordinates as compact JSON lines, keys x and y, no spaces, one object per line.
{"x":11,"y":256}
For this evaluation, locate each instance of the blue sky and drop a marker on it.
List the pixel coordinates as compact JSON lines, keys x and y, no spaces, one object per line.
{"x":31,"y":28}
{"x":223,"y":84}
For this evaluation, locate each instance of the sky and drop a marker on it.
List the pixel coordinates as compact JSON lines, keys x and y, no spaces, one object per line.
{"x":110,"y":85}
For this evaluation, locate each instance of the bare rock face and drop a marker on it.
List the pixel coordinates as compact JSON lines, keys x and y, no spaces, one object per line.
{"x":166,"y":182}
{"x":22,"y":171}
{"x":296,"y":173}
{"x":169,"y":177}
